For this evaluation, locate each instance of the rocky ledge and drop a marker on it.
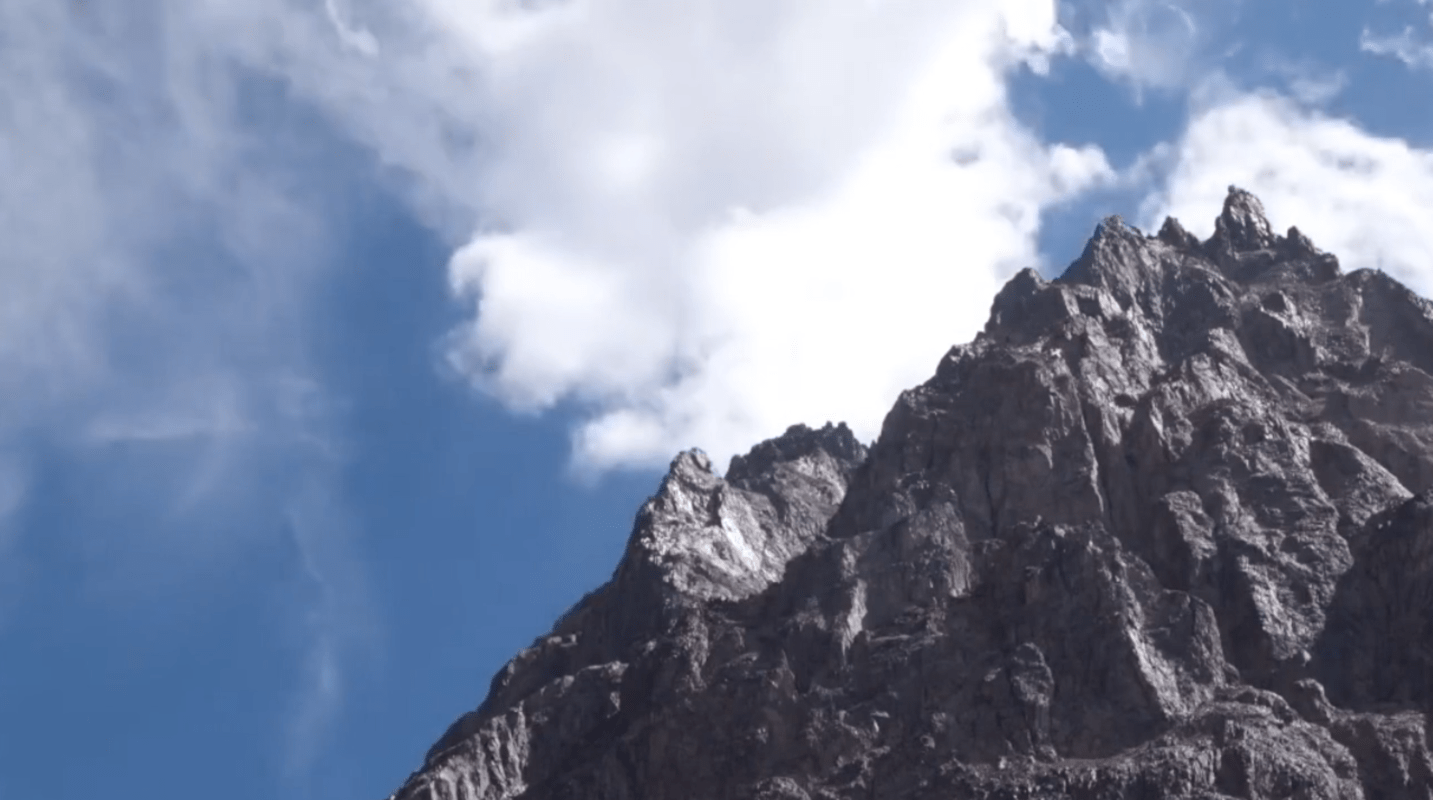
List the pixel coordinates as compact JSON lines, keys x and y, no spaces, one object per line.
{"x":1160,"y":531}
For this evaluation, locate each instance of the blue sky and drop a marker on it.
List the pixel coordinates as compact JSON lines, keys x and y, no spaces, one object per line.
{"x":340,"y":340}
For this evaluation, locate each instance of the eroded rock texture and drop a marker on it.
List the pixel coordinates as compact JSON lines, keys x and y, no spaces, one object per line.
{"x":1160,"y":531}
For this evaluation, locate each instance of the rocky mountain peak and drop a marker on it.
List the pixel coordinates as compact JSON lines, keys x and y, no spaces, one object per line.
{"x":1242,"y":226}
{"x":708,"y":537}
{"x":1160,"y":530}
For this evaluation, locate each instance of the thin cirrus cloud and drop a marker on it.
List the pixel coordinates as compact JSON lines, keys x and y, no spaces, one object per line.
{"x":338,"y":623}
{"x":157,"y":256}
{"x":160,"y":249}
{"x":704,"y":223}
{"x":143,"y":233}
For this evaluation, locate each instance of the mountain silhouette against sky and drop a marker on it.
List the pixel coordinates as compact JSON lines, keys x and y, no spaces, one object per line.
{"x":1160,"y":531}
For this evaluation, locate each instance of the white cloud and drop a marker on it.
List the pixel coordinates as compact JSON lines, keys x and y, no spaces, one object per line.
{"x":706,"y":222}
{"x":1405,"y":46}
{"x":1359,"y":196}
{"x":1148,"y":43}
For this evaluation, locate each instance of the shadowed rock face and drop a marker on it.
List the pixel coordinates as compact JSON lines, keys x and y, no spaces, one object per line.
{"x":1160,"y":531}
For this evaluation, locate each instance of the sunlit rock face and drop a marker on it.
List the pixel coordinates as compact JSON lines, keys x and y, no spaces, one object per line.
{"x":1160,"y":531}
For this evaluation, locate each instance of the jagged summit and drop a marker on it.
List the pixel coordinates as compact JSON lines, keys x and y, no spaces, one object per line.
{"x":1242,"y":226}
{"x":1160,"y":531}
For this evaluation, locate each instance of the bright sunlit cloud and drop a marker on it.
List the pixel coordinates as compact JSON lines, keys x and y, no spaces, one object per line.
{"x":705,"y":223}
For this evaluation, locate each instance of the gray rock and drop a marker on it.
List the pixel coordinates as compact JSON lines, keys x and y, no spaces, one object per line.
{"x":1160,"y":531}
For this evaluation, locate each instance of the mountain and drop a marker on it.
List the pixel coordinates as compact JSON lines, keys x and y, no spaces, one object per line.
{"x":1159,"y":531}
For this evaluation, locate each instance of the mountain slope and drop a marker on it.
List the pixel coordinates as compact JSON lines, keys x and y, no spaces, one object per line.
{"x":1159,"y":531}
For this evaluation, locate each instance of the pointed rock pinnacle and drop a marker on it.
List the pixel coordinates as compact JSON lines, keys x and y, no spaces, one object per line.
{"x":1242,"y":226}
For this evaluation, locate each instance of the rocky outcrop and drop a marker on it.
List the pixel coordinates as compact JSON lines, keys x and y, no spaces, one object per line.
{"x":1160,"y":531}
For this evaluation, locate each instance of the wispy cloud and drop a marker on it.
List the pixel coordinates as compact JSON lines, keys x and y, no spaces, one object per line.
{"x":338,"y":625}
{"x":1307,"y":82}
{"x":146,"y":236}
{"x":162,"y":240}
{"x":1165,"y":46}
{"x":14,"y":485}
{"x":1411,"y":44}
{"x":1407,"y":46}
{"x":204,"y":409}
{"x":1150,"y":44}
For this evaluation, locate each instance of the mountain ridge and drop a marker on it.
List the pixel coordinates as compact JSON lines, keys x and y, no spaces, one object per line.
{"x":1161,"y":530}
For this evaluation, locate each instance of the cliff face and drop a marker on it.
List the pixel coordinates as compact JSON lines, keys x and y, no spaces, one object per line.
{"x":1157,"y":532}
